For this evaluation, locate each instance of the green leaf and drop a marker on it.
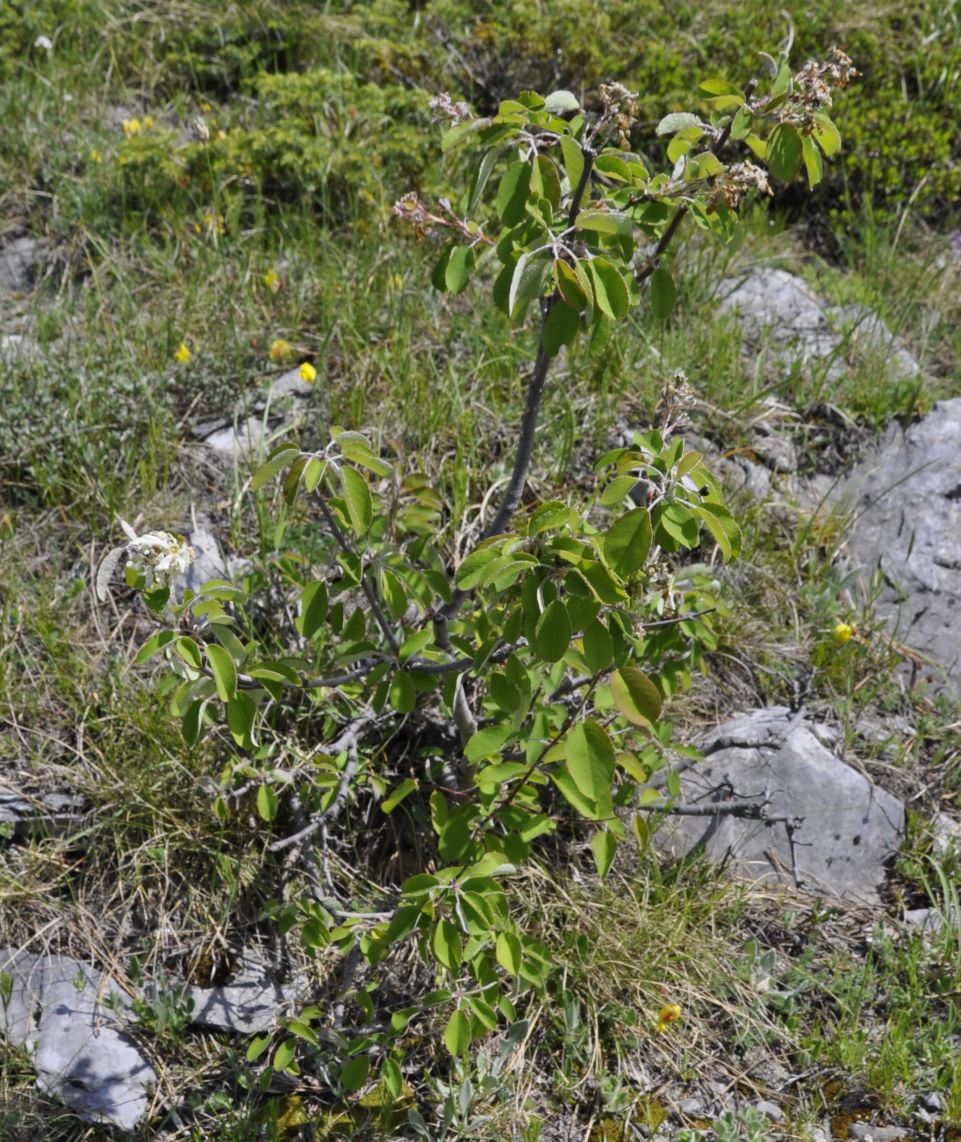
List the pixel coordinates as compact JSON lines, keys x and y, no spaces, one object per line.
{"x":403,"y":693}
{"x":458,"y":269}
{"x":743,"y":122}
{"x":256,"y":1047}
{"x":156,"y":642}
{"x":192,"y":723}
{"x":813,"y":163}
{"x":568,"y":285}
{"x":457,"y":1033}
{"x":360,"y":507}
{"x":560,"y":102}
{"x":605,"y":222}
{"x":527,"y":283}
{"x":573,"y":160}
{"x":241,"y":711}
{"x":479,"y":182}
{"x":284,"y":1055}
{"x":446,"y":943}
{"x":545,"y":181}
{"x":278,"y":459}
{"x":353,"y":1074}
{"x":784,"y":152}
{"x":604,"y":846}
{"x":397,"y":794}
{"x":590,"y":758}
{"x":826,"y":134}
{"x":391,"y":1077}
{"x":610,"y":289}
{"x":487,"y":742}
{"x":627,"y":542}
{"x":635,"y":695}
{"x":598,"y":647}
{"x":588,"y":807}
{"x":508,"y":952}
{"x":313,"y":608}
{"x":723,"y":527}
{"x":677,"y":121}
{"x":562,"y":326}
{"x":512,"y":194}
{"x":552,"y":637}
{"x":720,"y":86}
{"x":267,"y":803}
{"x":224,"y":671}
{"x":663,"y":294}
{"x":189,"y":651}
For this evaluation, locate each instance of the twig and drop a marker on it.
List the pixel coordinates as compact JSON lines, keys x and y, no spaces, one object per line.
{"x":348,"y":741}
{"x":367,"y":585}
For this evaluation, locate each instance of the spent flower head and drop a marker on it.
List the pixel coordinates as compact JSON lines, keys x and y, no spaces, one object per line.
{"x":280,"y":350}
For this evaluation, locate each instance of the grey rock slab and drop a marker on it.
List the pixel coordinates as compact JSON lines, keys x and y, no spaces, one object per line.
{"x":825,"y":827}
{"x":905,"y":503}
{"x":43,"y":814}
{"x":869,"y":1133}
{"x":771,"y":1111}
{"x":250,"y":1003}
{"x":56,"y":1011}
{"x":779,"y":310}
{"x":18,"y":262}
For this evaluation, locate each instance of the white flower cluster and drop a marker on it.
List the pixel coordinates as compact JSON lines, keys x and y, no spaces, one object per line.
{"x":158,"y":555}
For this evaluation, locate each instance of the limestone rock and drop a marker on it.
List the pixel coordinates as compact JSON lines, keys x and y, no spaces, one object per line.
{"x":56,"y":1011}
{"x":825,"y":827}
{"x":779,"y":312}
{"x":18,"y":263}
{"x":906,"y":506}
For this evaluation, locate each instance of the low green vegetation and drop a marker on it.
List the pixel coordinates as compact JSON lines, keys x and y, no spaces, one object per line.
{"x":212,"y":191}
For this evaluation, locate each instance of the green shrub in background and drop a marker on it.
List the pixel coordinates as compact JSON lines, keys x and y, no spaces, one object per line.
{"x":320,"y":105}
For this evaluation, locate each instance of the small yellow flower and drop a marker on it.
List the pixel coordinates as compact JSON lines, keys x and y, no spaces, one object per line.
{"x":221,"y":135}
{"x":667,"y":1015}
{"x":95,"y":156}
{"x":131,"y":127}
{"x":272,"y":280}
{"x":147,"y":122}
{"x":281,"y":350}
{"x":183,"y":354}
{"x":206,"y":108}
{"x":843,"y":633}
{"x":308,"y":373}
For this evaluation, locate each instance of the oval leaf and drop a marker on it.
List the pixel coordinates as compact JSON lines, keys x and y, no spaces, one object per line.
{"x":628,"y":541}
{"x":636,"y":696}
{"x":590,"y":759}
{"x":357,"y":497}
{"x":552,"y":637}
{"x":457,"y":1033}
{"x":224,"y":671}
{"x":663,"y":293}
{"x":784,"y":152}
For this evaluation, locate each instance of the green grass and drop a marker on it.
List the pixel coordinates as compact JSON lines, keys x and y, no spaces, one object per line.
{"x":96,"y":427}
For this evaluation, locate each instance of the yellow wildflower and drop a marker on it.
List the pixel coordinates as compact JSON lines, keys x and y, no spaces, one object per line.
{"x":272,"y":280}
{"x":308,"y":373}
{"x":843,"y":633}
{"x":667,"y":1015}
{"x":95,"y":155}
{"x":183,"y":354}
{"x":147,"y":122}
{"x":131,"y":127}
{"x":281,"y":350}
